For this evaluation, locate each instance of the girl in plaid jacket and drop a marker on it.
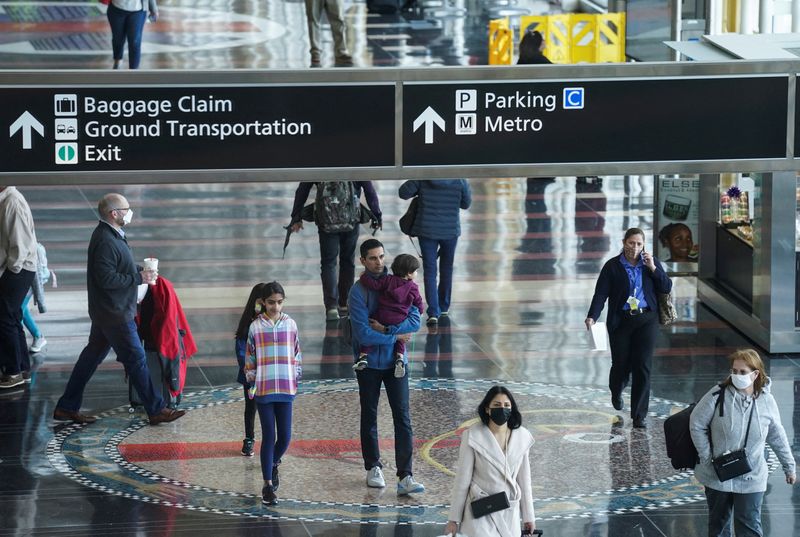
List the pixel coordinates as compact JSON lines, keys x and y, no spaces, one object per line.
{"x":273,"y":365}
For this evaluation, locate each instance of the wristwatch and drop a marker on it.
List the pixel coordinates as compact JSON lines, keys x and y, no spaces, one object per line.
{"x":385,"y":329}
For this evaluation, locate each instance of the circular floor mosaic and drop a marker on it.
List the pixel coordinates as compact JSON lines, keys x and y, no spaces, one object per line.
{"x":584,"y":463}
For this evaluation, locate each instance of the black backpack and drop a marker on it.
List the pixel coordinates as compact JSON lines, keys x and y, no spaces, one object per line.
{"x":678,"y":438}
{"x":336,"y":207}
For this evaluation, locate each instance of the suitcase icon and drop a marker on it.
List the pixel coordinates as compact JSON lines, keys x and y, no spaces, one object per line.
{"x":66,"y":105}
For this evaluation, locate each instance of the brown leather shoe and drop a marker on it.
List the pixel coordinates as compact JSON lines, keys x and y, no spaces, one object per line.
{"x":60,"y":414}
{"x":166,"y":415}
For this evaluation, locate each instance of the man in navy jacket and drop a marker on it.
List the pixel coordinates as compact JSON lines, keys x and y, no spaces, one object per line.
{"x":112,"y":279}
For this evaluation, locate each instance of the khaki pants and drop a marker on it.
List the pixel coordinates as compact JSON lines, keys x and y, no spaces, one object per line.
{"x":333,"y":9}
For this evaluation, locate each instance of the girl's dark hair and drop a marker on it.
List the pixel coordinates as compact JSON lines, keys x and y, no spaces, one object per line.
{"x":667,"y":231}
{"x":249,"y":312}
{"x":404,"y":264}
{"x":514,"y":422}
{"x":271,"y":288}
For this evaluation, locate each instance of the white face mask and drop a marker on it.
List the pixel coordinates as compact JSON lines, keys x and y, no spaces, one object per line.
{"x":742,"y":382}
{"x":126,"y":219}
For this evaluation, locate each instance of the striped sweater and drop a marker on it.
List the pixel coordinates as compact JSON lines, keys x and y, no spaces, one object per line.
{"x":273,"y":351}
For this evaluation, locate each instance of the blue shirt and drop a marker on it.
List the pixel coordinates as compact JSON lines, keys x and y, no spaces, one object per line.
{"x":635,"y":281}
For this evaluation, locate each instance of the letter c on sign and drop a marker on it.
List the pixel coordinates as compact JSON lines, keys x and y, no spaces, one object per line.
{"x":573,"y":99}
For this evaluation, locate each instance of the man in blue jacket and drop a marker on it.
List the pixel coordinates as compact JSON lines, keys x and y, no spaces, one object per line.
{"x":112,"y":279}
{"x":380,"y":369}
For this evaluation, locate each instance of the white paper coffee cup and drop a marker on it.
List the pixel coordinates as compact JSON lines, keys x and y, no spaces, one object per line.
{"x":151,"y":263}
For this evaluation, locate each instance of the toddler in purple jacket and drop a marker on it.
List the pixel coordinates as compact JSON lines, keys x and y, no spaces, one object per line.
{"x":398,"y":293}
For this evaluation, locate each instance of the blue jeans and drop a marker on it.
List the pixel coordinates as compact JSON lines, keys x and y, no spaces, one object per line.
{"x":274,"y":416}
{"x":438,"y":298}
{"x":14,"y":355}
{"x":126,"y":25}
{"x":369,"y":393}
{"x":27,"y":318}
{"x":746,"y":510}
{"x":125,"y":341}
{"x":342,"y":246}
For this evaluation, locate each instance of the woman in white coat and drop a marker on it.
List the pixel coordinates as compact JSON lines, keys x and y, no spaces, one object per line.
{"x":746,"y":397}
{"x":493,"y":458}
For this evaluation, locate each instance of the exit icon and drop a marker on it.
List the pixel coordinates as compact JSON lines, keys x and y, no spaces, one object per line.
{"x":67,"y":153}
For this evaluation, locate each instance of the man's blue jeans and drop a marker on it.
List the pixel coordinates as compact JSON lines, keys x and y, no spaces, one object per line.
{"x":125,"y":341}
{"x":126,"y":25}
{"x":438,"y":298}
{"x":342,"y":246}
{"x":369,"y":392}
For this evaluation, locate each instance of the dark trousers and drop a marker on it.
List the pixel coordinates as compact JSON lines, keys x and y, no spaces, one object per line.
{"x":124,"y":339}
{"x":369,"y":392}
{"x":632,"y":344}
{"x":14,"y":355}
{"x":745,"y":508}
{"x":342,"y":246}
{"x":249,"y":416}
{"x":274,"y":416}
{"x":126,"y":26}
{"x":438,"y":297}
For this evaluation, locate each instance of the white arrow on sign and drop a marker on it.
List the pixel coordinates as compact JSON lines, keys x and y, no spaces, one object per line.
{"x":429,"y":117}
{"x":26,"y":122}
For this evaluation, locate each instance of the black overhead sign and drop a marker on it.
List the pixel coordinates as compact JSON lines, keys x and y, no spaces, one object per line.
{"x":197,"y":128}
{"x":594,"y":121}
{"x":100,"y":127}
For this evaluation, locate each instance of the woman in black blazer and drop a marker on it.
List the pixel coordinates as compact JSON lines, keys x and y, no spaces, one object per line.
{"x":630,"y":282}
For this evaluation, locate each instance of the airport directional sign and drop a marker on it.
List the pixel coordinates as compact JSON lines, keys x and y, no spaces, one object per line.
{"x":139,"y":126}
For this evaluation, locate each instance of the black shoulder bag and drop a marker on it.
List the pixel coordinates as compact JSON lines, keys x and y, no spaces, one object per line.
{"x":734,"y":463}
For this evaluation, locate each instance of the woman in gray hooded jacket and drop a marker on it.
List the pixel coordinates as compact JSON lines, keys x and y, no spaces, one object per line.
{"x":747,"y":390}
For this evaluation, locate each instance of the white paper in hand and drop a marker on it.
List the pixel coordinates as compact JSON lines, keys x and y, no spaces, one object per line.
{"x":599,"y":336}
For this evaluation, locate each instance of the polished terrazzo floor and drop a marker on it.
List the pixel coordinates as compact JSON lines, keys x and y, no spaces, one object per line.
{"x":525,"y":270}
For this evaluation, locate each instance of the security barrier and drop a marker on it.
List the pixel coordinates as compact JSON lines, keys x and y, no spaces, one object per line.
{"x":501,"y":42}
{"x":570,"y":38}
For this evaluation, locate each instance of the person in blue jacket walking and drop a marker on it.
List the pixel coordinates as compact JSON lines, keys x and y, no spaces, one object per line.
{"x":437,"y":224}
{"x":362,"y":304}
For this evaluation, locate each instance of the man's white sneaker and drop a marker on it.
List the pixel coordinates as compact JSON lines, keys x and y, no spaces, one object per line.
{"x":332,"y":315}
{"x":375,"y":478}
{"x":407,"y":485}
{"x":38,"y":344}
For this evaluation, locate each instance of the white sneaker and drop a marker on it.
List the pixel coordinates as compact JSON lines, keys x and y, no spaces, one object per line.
{"x":38,"y":344}
{"x":375,"y":478}
{"x":407,"y":485}
{"x":332,"y":315}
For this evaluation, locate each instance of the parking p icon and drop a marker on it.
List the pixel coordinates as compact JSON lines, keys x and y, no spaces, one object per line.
{"x":466,"y":100}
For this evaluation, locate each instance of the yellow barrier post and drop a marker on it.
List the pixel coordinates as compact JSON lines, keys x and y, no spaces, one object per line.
{"x":610,"y":38}
{"x":501,"y":42}
{"x":558,"y":39}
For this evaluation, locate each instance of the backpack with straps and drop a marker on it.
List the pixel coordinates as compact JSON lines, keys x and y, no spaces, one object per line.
{"x":678,"y":438}
{"x":336,"y":207}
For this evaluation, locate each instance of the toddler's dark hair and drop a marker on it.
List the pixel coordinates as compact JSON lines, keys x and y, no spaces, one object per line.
{"x":404,"y":264}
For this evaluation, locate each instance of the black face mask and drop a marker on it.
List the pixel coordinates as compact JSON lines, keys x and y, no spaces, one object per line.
{"x":500,"y":415}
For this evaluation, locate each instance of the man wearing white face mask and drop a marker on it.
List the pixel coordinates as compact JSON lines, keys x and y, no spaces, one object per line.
{"x":112,"y":279}
{"x":746,"y":419}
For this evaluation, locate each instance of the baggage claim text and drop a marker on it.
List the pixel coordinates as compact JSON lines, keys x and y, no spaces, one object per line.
{"x":187,"y":104}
